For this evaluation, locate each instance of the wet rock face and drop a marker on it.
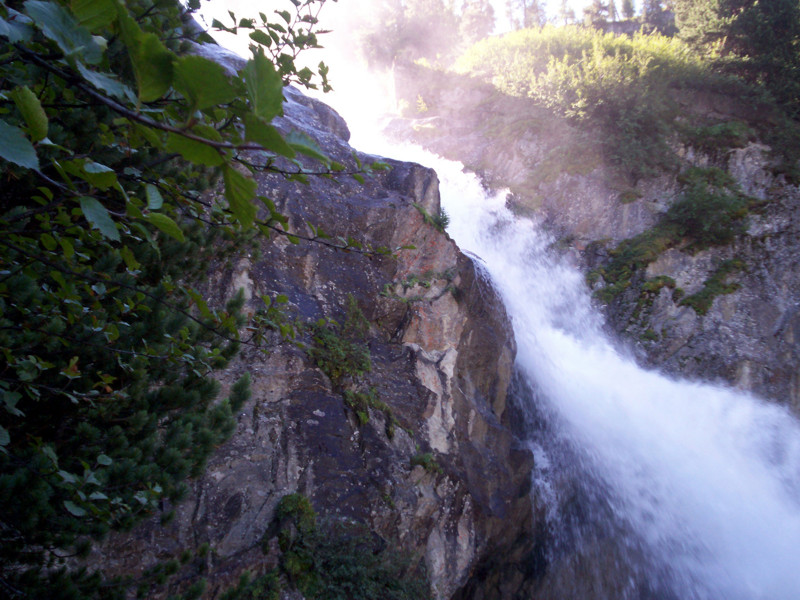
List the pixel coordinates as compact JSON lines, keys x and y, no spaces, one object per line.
{"x":441,"y":352}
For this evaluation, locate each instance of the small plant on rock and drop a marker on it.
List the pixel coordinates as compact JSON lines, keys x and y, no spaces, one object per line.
{"x":427,"y":461}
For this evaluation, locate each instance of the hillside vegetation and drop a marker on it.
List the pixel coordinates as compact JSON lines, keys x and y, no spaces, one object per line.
{"x":625,"y":87}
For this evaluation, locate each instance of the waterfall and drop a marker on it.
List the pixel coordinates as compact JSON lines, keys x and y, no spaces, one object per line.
{"x":686,"y":490}
{"x":706,"y":478}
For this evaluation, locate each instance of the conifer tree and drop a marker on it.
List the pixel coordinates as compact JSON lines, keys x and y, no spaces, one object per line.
{"x":596,"y":13}
{"x":477,"y":20}
{"x":565,"y":13}
{"x":627,"y":9}
{"x":613,"y":15}
{"x":526,"y":13}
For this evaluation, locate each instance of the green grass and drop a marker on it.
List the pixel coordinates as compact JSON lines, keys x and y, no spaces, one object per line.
{"x":716,"y":285}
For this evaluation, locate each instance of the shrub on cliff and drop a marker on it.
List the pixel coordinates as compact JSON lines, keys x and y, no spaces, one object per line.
{"x":711,"y":209}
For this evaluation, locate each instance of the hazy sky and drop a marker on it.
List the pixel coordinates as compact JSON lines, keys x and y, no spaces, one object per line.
{"x":244,"y":8}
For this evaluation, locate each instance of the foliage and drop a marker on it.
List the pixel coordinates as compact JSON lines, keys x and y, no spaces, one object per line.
{"x":632,"y":255}
{"x":526,"y":13}
{"x":404,"y":31}
{"x":427,"y":461}
{"x":360,"y":402}
{"x":711,"y":208}
{"x":596,"y":13}
{"x":720,"y":136}
{"x":407,"y":30}
{"x":627,"y":9}
{"x":619,"y":84}
{"x":477,"y":20}
{"x":263,"y":587}
{"x":709,"y":212}
{"x":440,"y":221}
{"x":110,"y":133}
{"x":714,"y":286}
{"x":339,"y":560}
{"x":340,"y":350}
{"x":759,"y":40}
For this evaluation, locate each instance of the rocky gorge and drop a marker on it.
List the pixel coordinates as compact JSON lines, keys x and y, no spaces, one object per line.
{"x":414,"y":444}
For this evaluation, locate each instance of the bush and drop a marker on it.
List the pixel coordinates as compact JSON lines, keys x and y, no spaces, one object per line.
{"x":338,"y":350}
{"x":340,"y":560}
{"x":720,"y":136}
{"x":337,"y":355}
{"x":711,"y":210}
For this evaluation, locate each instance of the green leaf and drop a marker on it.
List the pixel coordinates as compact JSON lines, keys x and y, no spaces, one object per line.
{"x":264,"y":87}
{"x":67,"y":247}
{"x":201,"y":303}
{"x":74,"y":509}
{"x":98,"y":175}
{"x":48,"y":241}
{"x":203,"y":82}
{"x":167,"y":225}
{"x":154,"y":199}
{"x":104,"y":460}
{"x":16,"y":30}
{"x":10,"y":399}
{"x":259,"y":131}
{"x":59,"y":25}
{"x":50,"y":454}
{"x":261,"y":37}
{"x":105,"y":82}
{"x":5,"y":439}
{"x":151,"y":135}
{"x":194,"y":151}
{"x":16,"y":148}
{"x":32,"y":111}
{"x":67,"y":476}
{"x":99,"y":218}
{"x":130,"y":259}
{"x":94,"y":14}
{"x":305,"y":145}
{"x":240,"y":192}
{"x":152,"y":62}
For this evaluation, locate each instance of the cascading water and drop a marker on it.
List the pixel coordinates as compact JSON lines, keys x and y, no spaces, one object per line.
{"x":686,"y":491}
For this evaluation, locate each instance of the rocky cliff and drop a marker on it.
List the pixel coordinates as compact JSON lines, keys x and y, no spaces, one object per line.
{"x":724,"y":310}
{"x":414,"y":443}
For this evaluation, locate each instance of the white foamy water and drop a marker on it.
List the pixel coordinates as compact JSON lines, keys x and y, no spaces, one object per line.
{"x":706,"y":479}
